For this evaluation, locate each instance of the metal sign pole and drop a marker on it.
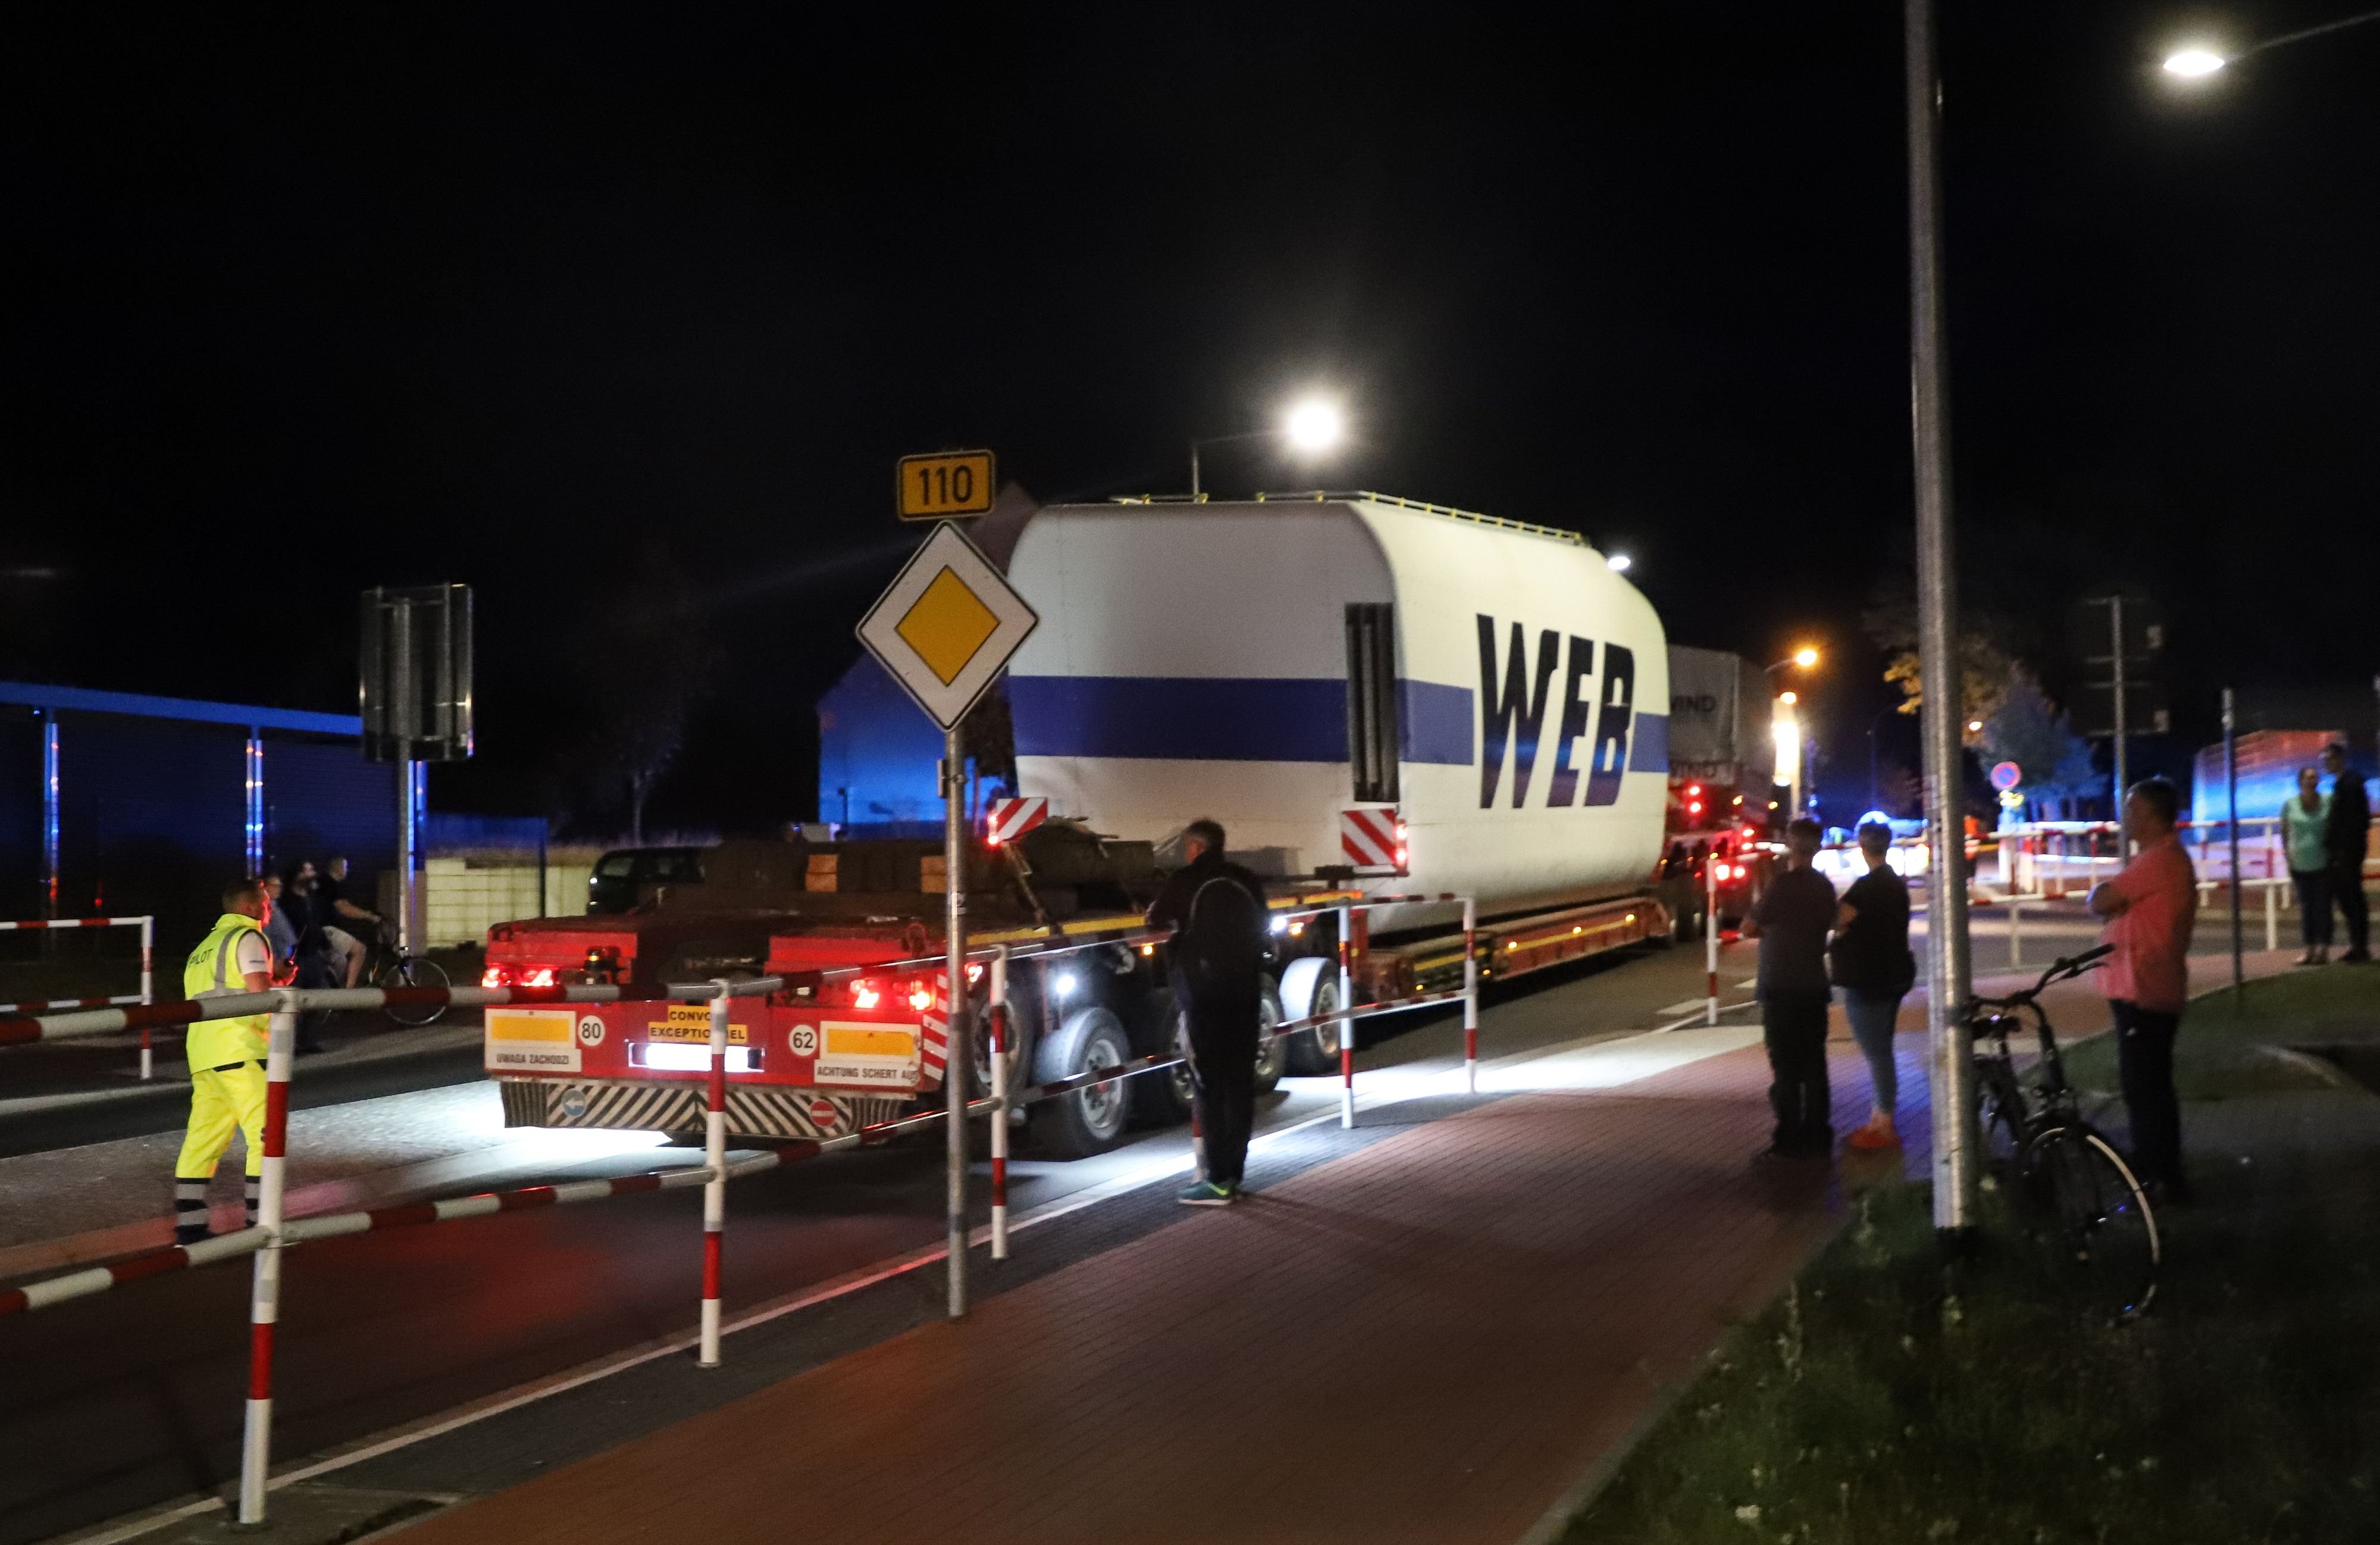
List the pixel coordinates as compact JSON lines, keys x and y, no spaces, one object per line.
{"x":2231,"y":796}
{"x":1947,"y":984}
{"x":997,"y":1023}
{"x":2115,"y":632}
{"x":957,"y":1063}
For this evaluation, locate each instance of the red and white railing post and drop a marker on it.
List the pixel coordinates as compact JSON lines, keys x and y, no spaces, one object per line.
{"x":714,"y":1190}
{"x":1346,"y":1020}
{"x":1471,"y":994}
{"x":264,"y":1298}
{"x":1710,"y":939}
{"x":998,"y":1025}
{"x":148,"y":993}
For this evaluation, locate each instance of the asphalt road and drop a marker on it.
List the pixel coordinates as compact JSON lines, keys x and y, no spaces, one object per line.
{"x":133,"y":1397}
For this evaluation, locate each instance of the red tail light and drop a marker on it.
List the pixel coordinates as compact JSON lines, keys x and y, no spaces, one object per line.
{"x":865,"y":994}
{"x":538,"y":975}
{"x":496,"y":975}
{"x":921,"y":996}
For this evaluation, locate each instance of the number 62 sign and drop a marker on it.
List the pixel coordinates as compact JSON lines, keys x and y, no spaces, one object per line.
{"x":937,"y":487}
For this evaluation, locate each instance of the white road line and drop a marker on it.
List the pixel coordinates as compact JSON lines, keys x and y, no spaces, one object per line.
{"x":1415,"y":1084}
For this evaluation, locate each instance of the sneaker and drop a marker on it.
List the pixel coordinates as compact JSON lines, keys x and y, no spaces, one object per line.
{"x":1205,"y":1193}
{"x":2309,"y":959}
{"x":2357,"y":955}
{"x":1878,"y":1134}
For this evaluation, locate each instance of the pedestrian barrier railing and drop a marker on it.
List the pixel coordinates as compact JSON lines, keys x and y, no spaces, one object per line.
{"x":272,"y":1231}
{"x":148,"y":927}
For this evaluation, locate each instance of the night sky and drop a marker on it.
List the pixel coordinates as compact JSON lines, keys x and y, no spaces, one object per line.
{"x":627,"y":313}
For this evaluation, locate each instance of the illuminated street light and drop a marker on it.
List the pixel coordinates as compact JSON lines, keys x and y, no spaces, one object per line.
{"x":2199,"y":61}
{"x":1806,"y":657}
{"x":1788,"y":698}
{"x":1312,"y":426}
{"x":1619,"y":563}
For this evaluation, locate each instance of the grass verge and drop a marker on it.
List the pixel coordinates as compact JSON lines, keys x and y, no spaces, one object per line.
{"x":1892,"y":1396}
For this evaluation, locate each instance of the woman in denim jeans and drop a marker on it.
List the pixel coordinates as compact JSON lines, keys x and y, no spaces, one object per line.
{"x":1873,"y":966}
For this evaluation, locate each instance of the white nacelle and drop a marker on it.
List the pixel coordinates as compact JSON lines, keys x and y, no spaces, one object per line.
{"x":1195,"y":660}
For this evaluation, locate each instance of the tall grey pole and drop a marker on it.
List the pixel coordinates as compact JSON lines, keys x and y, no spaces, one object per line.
{"x":957,"y":1065}
{"x":2232,"y":794}
{"x":1193,"y":471}
{"x":407,"y":839}
{"x":2116,"y":651}
{"x":1937,"y":608}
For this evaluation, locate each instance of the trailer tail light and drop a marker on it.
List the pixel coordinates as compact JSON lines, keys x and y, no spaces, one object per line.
{"x":921,"y":996}
{"x":865,"y":994}
{"x":496,"y":975}
{"x":538,"y":975}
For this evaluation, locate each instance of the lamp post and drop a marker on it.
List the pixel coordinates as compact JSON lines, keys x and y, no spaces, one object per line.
{"x":2196,"y":62}
{"x":1946,"y":976}
{"x":1311,"y":427}
{"x":1788,"y":725}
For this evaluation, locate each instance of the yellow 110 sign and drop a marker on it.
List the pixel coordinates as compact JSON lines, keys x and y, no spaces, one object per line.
{"x":938,"y":487}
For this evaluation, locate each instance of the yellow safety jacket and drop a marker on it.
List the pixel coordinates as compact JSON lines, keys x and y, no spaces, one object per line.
{"x":212,"y":971}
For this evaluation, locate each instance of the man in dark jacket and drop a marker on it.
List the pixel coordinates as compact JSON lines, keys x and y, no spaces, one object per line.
{"x":1220,"y":926}
{"x":1792,"y":921}
{"x":2349,"y":835}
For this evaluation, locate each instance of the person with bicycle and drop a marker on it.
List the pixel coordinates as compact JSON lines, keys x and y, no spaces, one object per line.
{"x":2152,"y":909}
{"x":1791,"y":920}
{"x":331,"y":909}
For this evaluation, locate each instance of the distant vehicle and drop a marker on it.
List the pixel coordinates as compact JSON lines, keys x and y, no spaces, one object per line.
{"x":622,"y":875}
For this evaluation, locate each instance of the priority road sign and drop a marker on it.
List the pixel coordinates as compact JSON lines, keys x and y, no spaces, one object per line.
{"x":947,"y":625}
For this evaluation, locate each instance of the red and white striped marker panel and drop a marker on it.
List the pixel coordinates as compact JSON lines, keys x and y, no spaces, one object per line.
{"x":1369,"y":839}
{"x":1004,"y":821}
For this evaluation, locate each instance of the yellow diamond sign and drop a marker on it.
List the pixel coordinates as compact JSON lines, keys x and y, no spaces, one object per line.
{"x":947,"y":625}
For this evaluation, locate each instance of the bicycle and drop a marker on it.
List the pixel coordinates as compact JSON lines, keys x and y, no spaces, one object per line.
{"x":387,"y":966}
{"x":2037,"y":1141}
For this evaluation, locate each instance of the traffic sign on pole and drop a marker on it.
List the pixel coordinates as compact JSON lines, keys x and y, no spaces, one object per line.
{"x":2006,"y":775}
{"x":937,"y":487}
{"x":946,"y":626}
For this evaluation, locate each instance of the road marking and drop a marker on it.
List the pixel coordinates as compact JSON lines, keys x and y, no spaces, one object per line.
{"x":1416,"y":1084}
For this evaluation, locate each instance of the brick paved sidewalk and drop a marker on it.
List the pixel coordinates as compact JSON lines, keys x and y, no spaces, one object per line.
{"x":1428,"y":1340}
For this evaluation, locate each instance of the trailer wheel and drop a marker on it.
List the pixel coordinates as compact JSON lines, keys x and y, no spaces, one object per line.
{"x":1166,"y":1099}
{"x":1090,"y":1120}
{"x":1314,"y":1054}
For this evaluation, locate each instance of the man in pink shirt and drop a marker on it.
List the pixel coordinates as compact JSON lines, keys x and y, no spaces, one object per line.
{"x":2151,"y":909}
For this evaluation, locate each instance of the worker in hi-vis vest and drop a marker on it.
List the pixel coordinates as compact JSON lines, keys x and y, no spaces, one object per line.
{"x":226,"y":1056}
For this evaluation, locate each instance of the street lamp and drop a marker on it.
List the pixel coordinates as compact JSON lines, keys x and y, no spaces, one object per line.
{"x":1805,"y":658}
{"x":1313,"y":426}
{"x":1619,"y":563}
{"x":2195,"y":62}
{"x":1788,"y":731}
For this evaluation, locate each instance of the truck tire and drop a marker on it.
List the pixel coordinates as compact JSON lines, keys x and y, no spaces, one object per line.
{"x":1315,"y":1054}
{"x":1086,"y":1121}
{"x":1165,"y":1097}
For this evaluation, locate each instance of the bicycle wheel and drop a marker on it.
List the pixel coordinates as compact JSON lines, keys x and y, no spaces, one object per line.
{"x":2108,"y":1235}
{"x":412,"y":970}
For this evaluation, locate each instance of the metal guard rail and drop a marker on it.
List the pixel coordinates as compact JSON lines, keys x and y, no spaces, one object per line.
{"x":332,"y":1225}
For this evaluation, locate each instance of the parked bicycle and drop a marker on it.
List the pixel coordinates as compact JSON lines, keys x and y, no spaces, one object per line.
{"x":388,"y":967}
{"x":2085,"y":1201}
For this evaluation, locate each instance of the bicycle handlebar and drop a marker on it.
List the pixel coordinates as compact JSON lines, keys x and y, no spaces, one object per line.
{"x":2070,"y":965}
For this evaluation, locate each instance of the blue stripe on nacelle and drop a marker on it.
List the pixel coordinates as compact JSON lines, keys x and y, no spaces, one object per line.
{"x":1224,"y":718}
{"x":1254,"y":719}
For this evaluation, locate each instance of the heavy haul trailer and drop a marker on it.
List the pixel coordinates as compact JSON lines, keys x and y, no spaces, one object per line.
{"x":1492,"y":687}
{"x":857,"y":1034}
